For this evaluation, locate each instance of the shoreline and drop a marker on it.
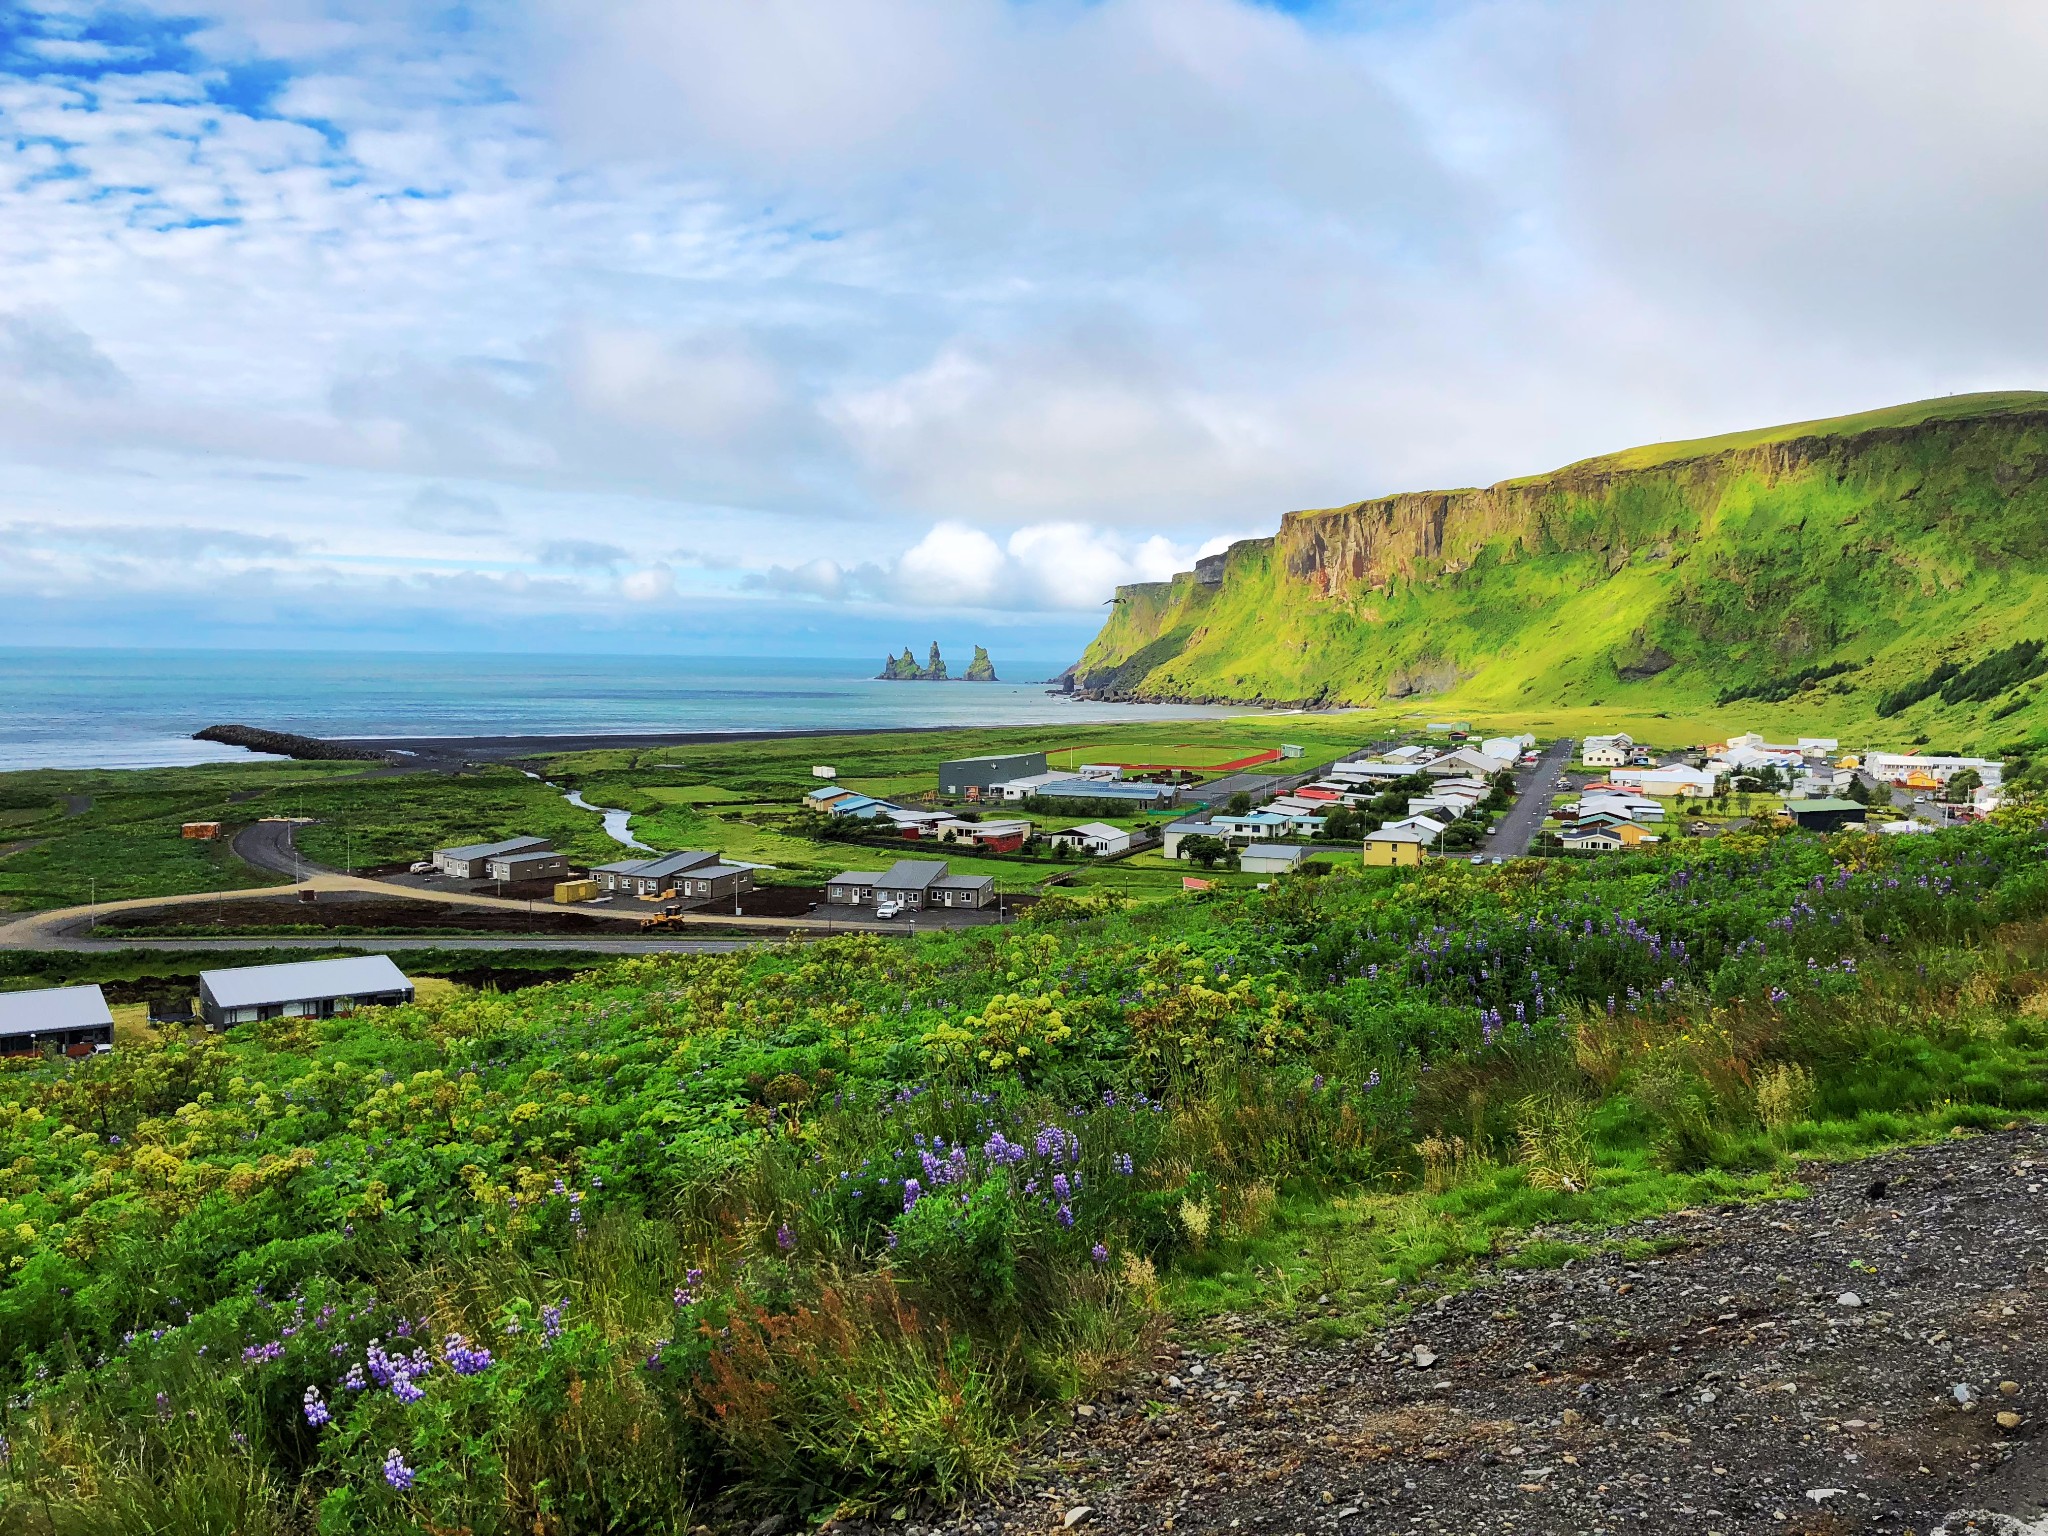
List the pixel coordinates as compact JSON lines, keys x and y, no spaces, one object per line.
{"x":506,"y":748}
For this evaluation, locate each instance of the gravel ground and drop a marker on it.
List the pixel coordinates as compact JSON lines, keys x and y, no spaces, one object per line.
{"x":1870,"y":1359}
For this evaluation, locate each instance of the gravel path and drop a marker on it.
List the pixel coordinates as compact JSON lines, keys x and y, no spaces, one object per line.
{"x":1870,"y":1359}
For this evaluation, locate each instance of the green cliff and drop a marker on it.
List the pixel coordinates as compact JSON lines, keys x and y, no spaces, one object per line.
{"x":1847,"y":559}
{"x":981,"y":669}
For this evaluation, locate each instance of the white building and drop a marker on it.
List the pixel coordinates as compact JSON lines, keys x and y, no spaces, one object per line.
{"x":1272,"y":858}
{"x":1607,"y":751}
{"x":1895,"y":767}
{"x":1094,"y":837}
{"x":1507,"y":748}
{"x":1669,"y":782}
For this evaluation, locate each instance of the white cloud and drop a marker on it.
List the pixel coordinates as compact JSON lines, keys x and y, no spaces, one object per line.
{"x":655,"y":584}
{"x":1043,"y":296}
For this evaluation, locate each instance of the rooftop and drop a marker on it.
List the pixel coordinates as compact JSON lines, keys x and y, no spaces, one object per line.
{"x":492,"y":850}
{"x":913,"y":874}
{"x":661,"y":864}
{"x":53,"y":1008}
{"x":252,"y":986}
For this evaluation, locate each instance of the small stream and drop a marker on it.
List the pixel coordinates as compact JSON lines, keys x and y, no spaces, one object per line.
{"x":615,"y":822}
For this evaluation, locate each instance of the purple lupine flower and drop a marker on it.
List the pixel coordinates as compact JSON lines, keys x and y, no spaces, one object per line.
{"x":463,"y":1358}
{"x":405,"y":1389}
{"x":396,"y":1472}
{"x":911,"y":1190}
{"x":1066,"y":1215}
{"x":316,"y":1410}
{"x":1060,"y":1187}
{"x":1099,"y":1254}
{"x":551,"y":1321}
{"x":784,"y":1238}
{"x":262,"y":1354}
{"x":1372,"y":1078}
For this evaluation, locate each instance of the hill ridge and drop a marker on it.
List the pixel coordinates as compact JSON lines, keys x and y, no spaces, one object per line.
{"x":1668,"y":574}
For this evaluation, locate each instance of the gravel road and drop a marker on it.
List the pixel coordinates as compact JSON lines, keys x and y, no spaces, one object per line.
{"x":1869,"y":1359}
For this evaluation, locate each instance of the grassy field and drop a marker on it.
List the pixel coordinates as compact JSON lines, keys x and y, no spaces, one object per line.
{"x":107,"y":835}
{"x":692,"y":1240}
{"x":110,"y":835}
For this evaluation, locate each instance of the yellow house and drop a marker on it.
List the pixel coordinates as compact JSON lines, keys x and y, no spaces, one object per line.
{"x":1632,"y":833}
{"x":1391,"y":846}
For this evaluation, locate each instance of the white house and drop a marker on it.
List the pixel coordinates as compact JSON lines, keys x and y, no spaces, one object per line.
{"x":1607,"y":751}
{"x":1507,"y":748}
{"x":1669,"y":782}
{"x":1467,"y":760}
{"x":1177,"y":832}
{"x":1094,"y":837}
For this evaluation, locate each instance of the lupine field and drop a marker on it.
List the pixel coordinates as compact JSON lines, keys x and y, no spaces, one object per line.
{"x":682,"y":1241}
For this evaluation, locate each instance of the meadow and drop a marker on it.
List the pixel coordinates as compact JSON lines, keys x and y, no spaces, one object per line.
{"x":67,"y":838}
{"x":691,"y":1239}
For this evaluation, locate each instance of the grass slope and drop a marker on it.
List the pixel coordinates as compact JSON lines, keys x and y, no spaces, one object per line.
{"x":1649,"y":582}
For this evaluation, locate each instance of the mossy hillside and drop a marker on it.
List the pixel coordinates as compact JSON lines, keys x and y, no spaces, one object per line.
{"x":1651,"y":588}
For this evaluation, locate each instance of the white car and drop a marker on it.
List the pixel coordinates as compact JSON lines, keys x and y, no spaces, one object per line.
{"x":423,"y":867}
{"x":888,"y":909}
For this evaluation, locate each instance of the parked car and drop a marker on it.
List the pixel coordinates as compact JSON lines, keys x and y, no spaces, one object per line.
{"x":423,"y":867}
{"x":888,"y":909}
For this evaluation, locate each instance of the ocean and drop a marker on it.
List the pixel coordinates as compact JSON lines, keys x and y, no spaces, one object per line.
{"x":138,"y":709}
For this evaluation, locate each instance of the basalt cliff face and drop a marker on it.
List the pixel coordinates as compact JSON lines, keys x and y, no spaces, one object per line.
{"x":1679,"y":574}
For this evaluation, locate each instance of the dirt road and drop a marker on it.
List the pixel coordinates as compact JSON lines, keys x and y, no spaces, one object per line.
{"x":1871,"y":1359}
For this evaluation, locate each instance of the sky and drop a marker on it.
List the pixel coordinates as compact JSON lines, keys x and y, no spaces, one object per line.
{"x":812,"y":326}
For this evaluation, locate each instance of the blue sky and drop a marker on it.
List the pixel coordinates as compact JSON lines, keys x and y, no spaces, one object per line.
{"x":805,"y":325}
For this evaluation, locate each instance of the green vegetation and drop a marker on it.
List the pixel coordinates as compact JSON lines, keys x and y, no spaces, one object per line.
{"x":67,"y":838}
{"x":837,"y":1222}
{"x":1986,"y":679}
{"x":109,"y":835}
{"x":1782,"y":581}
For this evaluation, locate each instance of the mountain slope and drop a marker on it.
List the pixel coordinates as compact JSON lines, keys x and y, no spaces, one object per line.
{"x":1865,"y":549}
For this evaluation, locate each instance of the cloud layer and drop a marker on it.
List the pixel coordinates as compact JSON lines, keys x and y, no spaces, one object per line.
{"x":847,"y":310}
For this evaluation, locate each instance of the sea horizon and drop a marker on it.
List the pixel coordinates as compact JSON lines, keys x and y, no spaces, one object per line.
{"x":117,"y":707}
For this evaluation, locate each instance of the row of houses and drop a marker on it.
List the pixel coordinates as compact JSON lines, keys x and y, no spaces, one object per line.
{"x":692,"y":874}
{"x":76,"y":1021}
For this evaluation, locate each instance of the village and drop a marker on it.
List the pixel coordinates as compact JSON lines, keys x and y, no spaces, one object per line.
{"x":991,"y":835}
{"x":1448,"y":794}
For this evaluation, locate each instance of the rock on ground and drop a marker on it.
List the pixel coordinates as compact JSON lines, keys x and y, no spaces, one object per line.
{"x":1720,"y":1387}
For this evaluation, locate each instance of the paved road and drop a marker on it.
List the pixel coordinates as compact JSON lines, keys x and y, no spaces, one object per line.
{"x":1518,"y":826}
{"x":267,"y":845}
